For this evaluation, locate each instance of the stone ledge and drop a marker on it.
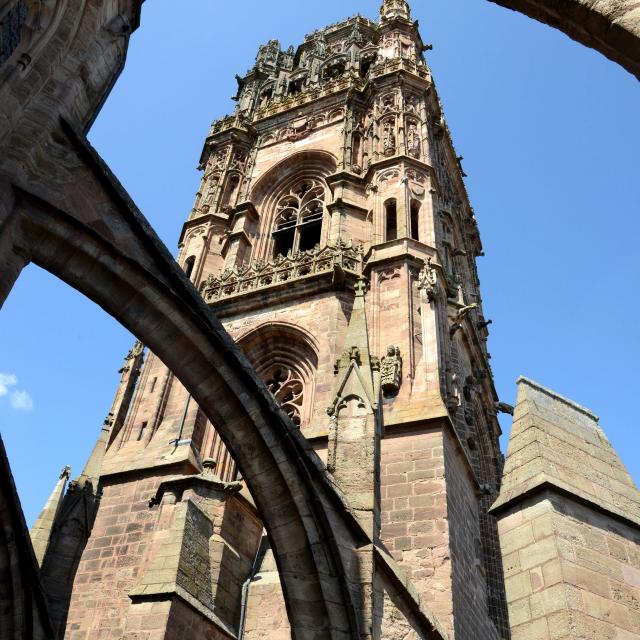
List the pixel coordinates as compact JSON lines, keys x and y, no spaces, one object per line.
{"x":167,"y":590}
{"x":542,"y":482}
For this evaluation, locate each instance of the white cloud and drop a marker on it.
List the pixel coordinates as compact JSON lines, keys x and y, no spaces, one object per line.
{"x":21,"y":400}
{"x":7,"y":380}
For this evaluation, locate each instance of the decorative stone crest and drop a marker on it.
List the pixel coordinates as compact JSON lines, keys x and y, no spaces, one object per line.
{"x":391,"y":371}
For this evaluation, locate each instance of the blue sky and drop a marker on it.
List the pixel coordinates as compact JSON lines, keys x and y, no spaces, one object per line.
{"x":548,"y":131}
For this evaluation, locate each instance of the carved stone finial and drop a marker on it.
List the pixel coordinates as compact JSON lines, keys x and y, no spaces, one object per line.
{"x":208,"y":466}
{"x":65,"y":473}
{"x":391,"y":371}
{"x":360,"y":287}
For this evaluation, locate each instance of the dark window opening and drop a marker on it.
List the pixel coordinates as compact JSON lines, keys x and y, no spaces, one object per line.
{"x":334,"y":70}
{"x":355,"y":150}
{"x":143,"y":428}
{"x":188,"y":266}
{"x":365,"y":65}
{"x":298,"y":225}
{"x":153,"y":384}
{"x":391,"y":220}
{"x":283,"y":241}
{"x":295,"y":86}
{"x":415,"y":220}
{"x":310,"y":235}
{"x":265,"y":96}
{"x":11,"y":30}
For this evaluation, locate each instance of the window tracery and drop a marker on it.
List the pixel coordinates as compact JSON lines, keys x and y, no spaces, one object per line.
{"x":286,"y":360}
{"x":298,"y":222}
{"x":287,"y":388}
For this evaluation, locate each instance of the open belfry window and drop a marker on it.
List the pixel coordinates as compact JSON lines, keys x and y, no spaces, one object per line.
{"x":390,"y":220}
{"x":298,"y":223}
{"x":415,"y":220}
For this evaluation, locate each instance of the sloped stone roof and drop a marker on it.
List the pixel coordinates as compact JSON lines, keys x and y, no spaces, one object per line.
{"x":556,"y":443}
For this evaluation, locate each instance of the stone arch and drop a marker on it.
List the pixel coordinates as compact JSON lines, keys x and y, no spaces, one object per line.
{"x":611,"y":27}
{"x":137,"y":282}
{"x":313,"y":161}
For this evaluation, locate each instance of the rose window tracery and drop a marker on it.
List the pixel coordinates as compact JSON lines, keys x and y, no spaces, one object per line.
{"x":287,"y":388}
{"x":298,"y":223}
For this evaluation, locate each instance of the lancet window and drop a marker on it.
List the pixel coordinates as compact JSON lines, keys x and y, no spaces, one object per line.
{"x":299,"y":213}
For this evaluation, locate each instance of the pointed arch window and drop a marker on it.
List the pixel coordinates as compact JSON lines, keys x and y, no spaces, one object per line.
{"x":299,"y":213}
{"x":287,"y":363}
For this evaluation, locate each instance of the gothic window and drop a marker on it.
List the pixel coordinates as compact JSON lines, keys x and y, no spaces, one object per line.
{"x":11,"y":30}
{"x":334,"y":70}
{"x":415,"y":220}
{"x":287,"y":388}
{"x":283,"y":356}
{"x":365,"y":65}
{"x":390,"y":220}
{"x":298,"y":222}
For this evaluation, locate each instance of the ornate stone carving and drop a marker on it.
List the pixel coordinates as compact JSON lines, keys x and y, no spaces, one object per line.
{"x":389,"y":274}
{"x":391,"y":371}
{"x":414,"y":142}
{"x":428,"y":281}
{"x":389,"y":137}
{"x":389,"y":174}
{"x":261,"y":275}
{"x":287,"y":388}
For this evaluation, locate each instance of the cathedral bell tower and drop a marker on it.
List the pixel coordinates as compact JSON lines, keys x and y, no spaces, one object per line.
{"x":333,"y":236}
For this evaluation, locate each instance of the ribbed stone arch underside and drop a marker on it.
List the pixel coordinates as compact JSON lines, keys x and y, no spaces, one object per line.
{"x":612,"y":27}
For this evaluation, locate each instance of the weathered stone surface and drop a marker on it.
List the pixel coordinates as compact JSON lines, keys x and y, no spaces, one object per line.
{"x":569,"y":529}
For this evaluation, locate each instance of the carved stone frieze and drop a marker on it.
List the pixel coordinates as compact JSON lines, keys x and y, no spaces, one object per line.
{"x":260,"y":274}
